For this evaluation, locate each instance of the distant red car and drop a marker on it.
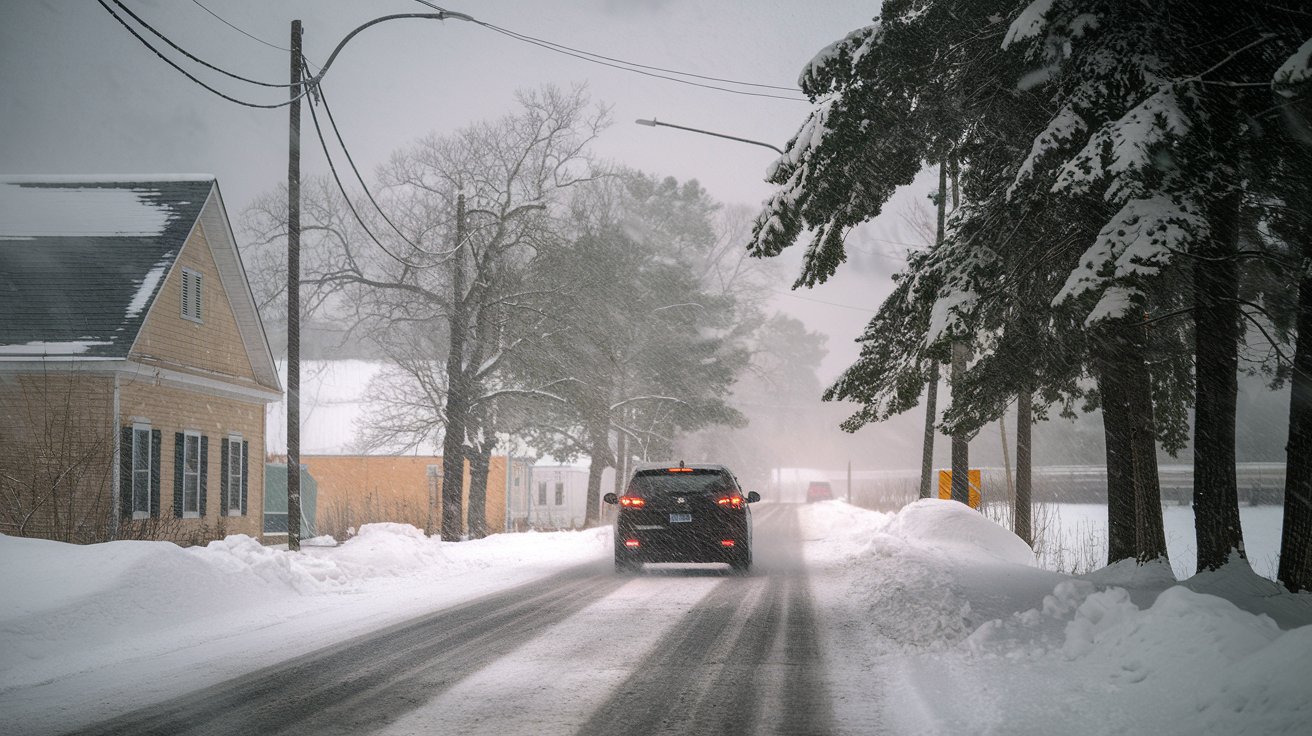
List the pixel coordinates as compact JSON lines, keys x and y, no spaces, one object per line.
{"x":819,"y":490}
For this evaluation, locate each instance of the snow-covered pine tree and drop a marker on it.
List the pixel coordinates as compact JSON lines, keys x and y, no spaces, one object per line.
{"x":889,"y":99}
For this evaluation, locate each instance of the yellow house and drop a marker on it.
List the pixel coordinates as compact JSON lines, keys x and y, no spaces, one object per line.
{"x":134,"y":369}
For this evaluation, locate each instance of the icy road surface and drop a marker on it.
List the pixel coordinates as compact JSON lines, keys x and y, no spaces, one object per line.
{"x":679,"y":650}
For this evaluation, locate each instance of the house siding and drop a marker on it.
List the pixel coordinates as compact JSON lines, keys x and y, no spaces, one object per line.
{"x":362,"y":489}
{"x":173,"y":410}
{"x":56,"y":455}
{"x":212,"y":346}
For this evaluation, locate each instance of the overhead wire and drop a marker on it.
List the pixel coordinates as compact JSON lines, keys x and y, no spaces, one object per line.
{"x":189,"y":75}
{"x":248,"y":34}
{"x":631,"y":66}
{"x":192,"y":56}
{"x":332,"y":122}
{"x":243,"y":32}
{"x":323,"y":142}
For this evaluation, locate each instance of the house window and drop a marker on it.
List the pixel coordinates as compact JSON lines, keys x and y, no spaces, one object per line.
{"x":234,"y":475}
{"x":143,"y":460}
{"x":542,"y":493}
{"x":560,"y":493}
{"x":138,"y":467}
{"x":191,"y":472}
{"x":191,"y":294}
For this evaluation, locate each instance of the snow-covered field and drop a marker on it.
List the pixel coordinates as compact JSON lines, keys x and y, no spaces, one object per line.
{"x":947,"y":626}
{"x":1078,"y":537}
{"x":933,"y":620}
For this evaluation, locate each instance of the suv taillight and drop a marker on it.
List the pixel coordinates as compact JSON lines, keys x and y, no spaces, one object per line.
{"x":731,"y":502}
{"x":632,"y":502}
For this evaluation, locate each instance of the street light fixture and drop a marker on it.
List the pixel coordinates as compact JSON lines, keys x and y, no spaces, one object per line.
{"x":654,"y":122}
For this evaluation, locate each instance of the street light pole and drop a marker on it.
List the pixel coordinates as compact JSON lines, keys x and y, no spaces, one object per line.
{"x":654,"y":122}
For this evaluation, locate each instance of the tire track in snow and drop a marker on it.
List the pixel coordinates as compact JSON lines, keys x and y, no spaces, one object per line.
{"x":365,"y":683}
{"x":550,"y":683}
{"x":744,"y":660}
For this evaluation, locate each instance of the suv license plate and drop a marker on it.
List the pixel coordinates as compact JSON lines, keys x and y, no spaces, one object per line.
{"x":680,"y":518}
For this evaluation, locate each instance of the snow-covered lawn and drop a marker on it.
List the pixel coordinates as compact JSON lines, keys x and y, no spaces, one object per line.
{"x":130,"y":623}
{"x":938,"y":621}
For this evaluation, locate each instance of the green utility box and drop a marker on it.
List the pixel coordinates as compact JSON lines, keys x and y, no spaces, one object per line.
{"x":275,"y":501}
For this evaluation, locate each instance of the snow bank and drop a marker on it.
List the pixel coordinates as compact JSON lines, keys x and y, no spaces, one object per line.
{"x":946,"y":615}
{"x":125,"y":622}
{"x":956,"y":529}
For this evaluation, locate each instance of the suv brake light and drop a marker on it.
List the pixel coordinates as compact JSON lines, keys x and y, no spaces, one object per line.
{"x":633,"y":502}
{"x":731,"y":502}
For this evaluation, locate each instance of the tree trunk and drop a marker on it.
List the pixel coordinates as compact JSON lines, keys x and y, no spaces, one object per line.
{"x":480,"y":463}
{"x":621,"y":461}
{"x":960,"y":445}
{"x":1024,"y":424}
{"x":931,"y":417}
{"x":1216,"y":343}
{"x":1296,"y":535}
{"x":1149,"y":529}
{"x":600,"y":453}
{"x":1134,"y":498}
{"x":1121,"y":524}
{"x":457,"y":398}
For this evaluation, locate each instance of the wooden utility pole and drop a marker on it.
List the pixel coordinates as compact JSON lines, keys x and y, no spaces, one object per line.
{"x":294,"y":299}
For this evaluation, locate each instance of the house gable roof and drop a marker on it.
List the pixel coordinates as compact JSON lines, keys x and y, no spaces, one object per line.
{"x":83,"y":259}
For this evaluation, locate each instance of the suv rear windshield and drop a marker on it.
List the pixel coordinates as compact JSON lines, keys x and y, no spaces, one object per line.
{"x":650,"y":482}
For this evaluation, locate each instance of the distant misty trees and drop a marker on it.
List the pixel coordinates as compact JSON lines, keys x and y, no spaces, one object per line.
{"x":1129,"y":228}
{"x":516,"y":286}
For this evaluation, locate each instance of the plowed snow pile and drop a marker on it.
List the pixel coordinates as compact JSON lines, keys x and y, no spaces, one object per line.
{"x":937,"y":622}
{"x":131,"y":620}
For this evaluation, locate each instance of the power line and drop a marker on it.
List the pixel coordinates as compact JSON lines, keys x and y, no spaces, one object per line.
{"x":629,"y":66}
{"x":192,"y":56}
{"x":239,"y":30}
{"x":187,"y":74}
{"x":246,"y":33}
{"x":332,"y":122}
{"x":333,"y":168}
{"x":527,"y":37}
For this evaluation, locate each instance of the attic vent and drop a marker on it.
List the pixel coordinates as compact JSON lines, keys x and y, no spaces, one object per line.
{"x":191,"y":294}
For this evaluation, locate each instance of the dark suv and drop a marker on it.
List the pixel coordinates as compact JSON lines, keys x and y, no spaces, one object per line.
{"x":683,"y":513}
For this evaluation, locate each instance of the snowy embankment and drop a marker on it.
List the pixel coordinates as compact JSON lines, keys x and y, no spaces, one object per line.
{"x":945,"y":625}
{"x":129,"y":623}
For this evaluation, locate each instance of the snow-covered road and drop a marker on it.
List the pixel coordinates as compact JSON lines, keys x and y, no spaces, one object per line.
{"x":932,"y":620}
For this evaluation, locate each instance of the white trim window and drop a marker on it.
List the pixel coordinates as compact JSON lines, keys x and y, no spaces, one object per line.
{"x":192,"y":292}
{"x":560,"y":493}
{"x":542,"y":493}
{"x":235,"y":475}
{"x":191,"y":470}
{"x":142,"y":461}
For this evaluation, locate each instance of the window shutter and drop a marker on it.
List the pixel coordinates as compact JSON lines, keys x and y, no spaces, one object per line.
{"x":204,"y":471}
{"x":196,"y":291}
{"x":179,"y":445}
{"x":155,"y":436}
{"x":245,"y":472}
{"x":223,"y":477}
{"x":125,"y":472}
{"x":186,"y":294}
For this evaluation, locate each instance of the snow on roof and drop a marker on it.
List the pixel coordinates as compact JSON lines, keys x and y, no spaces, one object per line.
{"x":33,"y":207}
{"x":81,"y":258}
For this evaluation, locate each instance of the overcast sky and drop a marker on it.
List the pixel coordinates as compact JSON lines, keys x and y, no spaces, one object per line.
{"x":78,"y":94}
